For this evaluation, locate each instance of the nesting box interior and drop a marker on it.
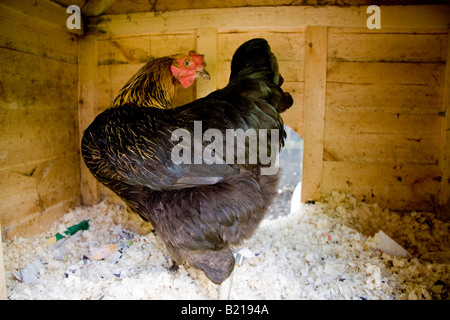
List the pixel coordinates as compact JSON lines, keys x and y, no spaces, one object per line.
{"x":371,"y":105}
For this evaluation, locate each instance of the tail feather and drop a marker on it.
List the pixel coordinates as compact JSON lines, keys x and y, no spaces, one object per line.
{"x":255,"y":56}
{"x":217,"y":265}
{"x":254,"y":59}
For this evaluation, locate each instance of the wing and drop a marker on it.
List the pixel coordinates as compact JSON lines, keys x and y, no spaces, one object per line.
{"x":137,"y":146}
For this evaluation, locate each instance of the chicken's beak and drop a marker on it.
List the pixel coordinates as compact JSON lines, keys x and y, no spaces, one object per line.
{"x":203,"y":74}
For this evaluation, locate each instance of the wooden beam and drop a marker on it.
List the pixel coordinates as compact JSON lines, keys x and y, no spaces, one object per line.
{"x":228,"y":19}
{"x":443,"y":197}
{"x":207,"y":45}
{"x":94,"y":8}
{"x":87,"y":107}
{"x":403,"y":187}
{"x":314,"y":111}
{"x":2,"y":270}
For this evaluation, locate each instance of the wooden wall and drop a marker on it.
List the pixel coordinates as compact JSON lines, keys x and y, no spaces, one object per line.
{"x":39,"y":161}
{"x":370,"y":104}
{"x":383,"y":113}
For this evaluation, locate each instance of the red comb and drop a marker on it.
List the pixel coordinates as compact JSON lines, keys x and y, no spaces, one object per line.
{"x":198,"y":58}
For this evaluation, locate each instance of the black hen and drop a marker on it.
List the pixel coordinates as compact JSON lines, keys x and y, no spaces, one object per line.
{"x":199,"y":210}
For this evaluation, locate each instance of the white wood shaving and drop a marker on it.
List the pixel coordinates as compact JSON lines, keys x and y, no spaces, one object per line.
{"x":320,"y":251}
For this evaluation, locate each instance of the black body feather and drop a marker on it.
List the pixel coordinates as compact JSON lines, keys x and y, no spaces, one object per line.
{"x":198,"y":210}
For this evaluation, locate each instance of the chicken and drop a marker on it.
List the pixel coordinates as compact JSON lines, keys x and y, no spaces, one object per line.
{"x":200,"y":196}
{"x":155,"y":84}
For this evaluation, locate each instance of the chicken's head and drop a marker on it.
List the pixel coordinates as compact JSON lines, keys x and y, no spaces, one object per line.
{"x":187,"y":68}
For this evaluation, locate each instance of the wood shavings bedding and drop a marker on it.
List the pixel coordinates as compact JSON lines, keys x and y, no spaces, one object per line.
{"x":321,"y":251}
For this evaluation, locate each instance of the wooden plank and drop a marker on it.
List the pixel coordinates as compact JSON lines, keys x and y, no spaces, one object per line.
{"x":414,"y":185}
{"x":39,"y":222}
{"x":336,"y":31}
{"x":425,"y":74}
{"x":66,"y":3}
{"x":26,"y":34}
{"x":382,"y":137}
{"x":399,"y":148}
{"x":31,"y":188}
{"x":432,"y":16}
{"x":168,"y":44}
{"x":35,"y":135}
{"x":314,"y":111}
{"x":87,"y":107}
{"x":30,"y":82}
{"x":391,"y":98}
{"x":135,"y":50}
{"x":389,"y":175}
{"x":207,"y":45}
{"x":161,"y":6}
{"x":45,"y":11}
{"x":2,"y":269}
{"x":385,"y":45}
{"x":140,"y":49}
{"x":443,"y":195}
{"x":338,"y":123}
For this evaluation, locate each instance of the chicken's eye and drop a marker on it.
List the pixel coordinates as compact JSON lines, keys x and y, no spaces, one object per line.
{"x":186,"y":63}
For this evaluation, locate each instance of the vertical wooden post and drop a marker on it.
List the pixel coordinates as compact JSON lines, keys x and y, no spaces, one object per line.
{"x":2,"y":270}
{"x":443,"y":197}
{"x":315,"y":75}
{"x":87,"y":107}
{"x":207,"y":45}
